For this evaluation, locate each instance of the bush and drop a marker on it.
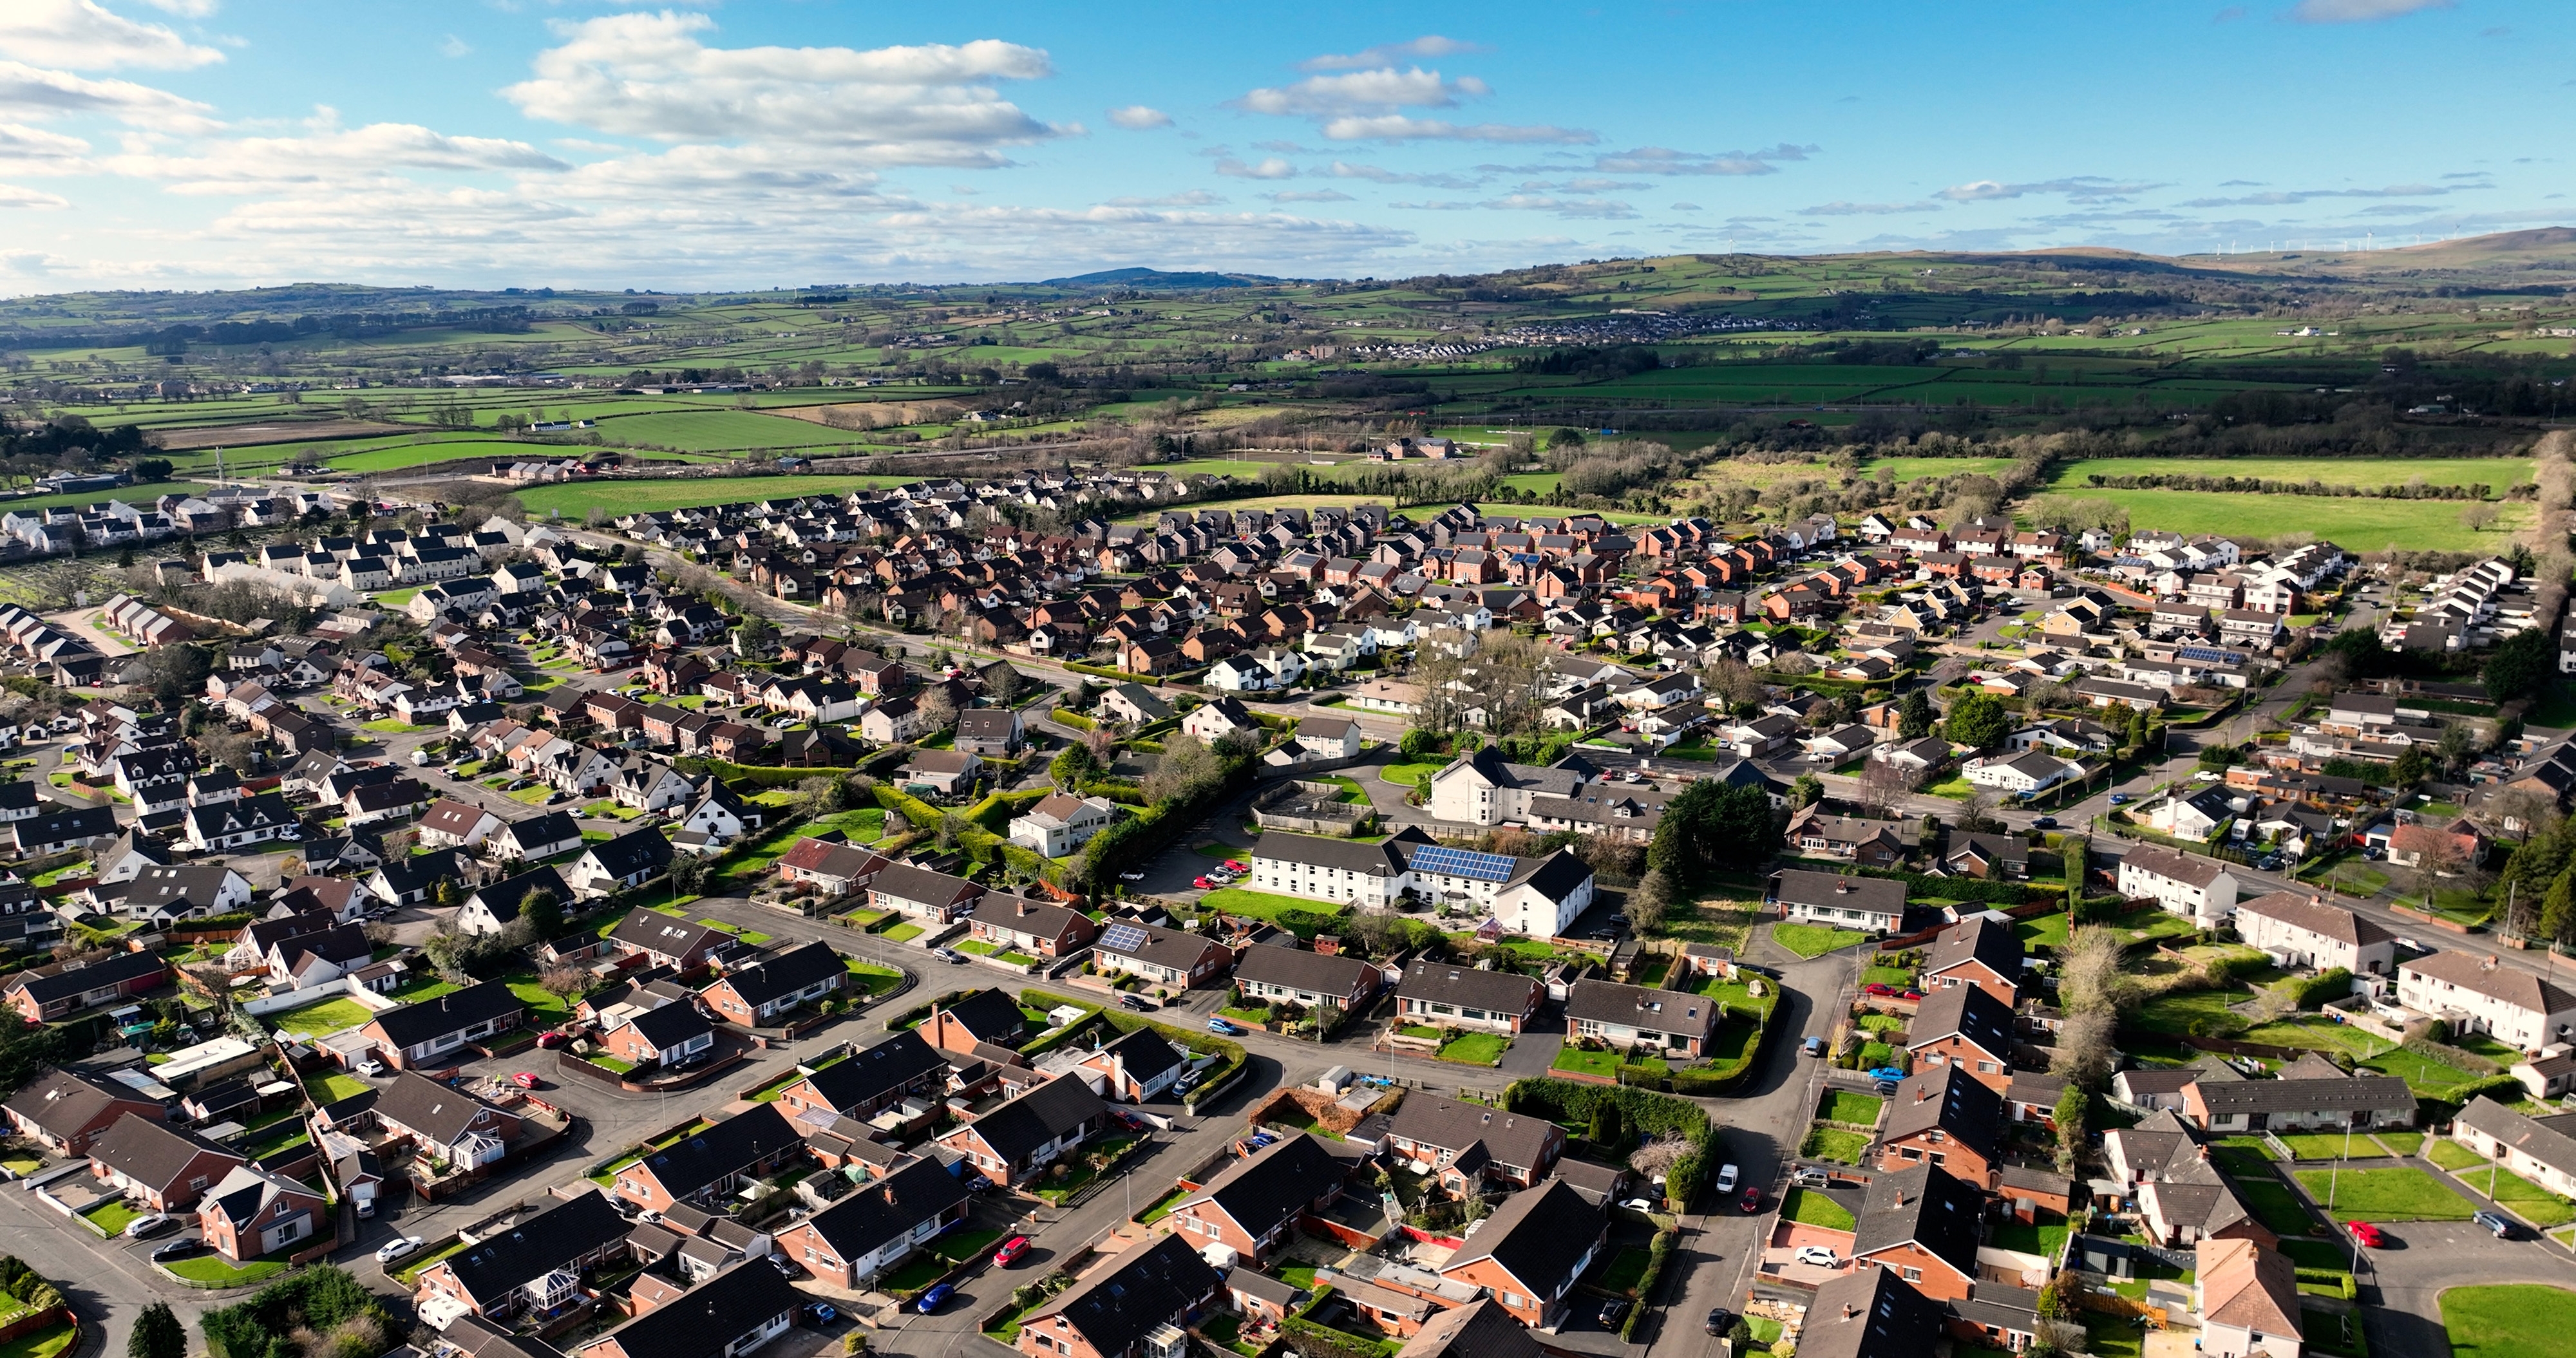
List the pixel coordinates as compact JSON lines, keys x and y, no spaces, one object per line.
{"x":2310,"y":992}
{"x":1568,"y":1103}
{"x":268,"y":1324}
{"x":1656,"y":1253}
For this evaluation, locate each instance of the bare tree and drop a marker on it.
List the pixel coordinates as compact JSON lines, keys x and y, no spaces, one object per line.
{"x":2084,"y":1051}
{"x":1648,"y":903}
{"x":938,"y":709}
{"x":2436,"y":856}
{"x":2090,"y":978}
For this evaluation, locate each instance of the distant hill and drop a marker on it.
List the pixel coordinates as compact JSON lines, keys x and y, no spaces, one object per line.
{"x":1157,"y":278}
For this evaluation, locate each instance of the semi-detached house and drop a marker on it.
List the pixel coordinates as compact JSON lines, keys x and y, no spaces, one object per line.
{"x":2480,"y":996}
{"x":1469,"y":1144}
{"x":2299,"y":930}
{"x":1253,"y":1205}
{"x":428,"y":1031}
{"x":877,"y":1225}
{"x":1530,"y":1251}
{"x":711,"y":1162}
{"x":1019,"y":1138}
{"x":758,"y":994}
{"x":2201,"y":890}
{"x":533,"y":1268}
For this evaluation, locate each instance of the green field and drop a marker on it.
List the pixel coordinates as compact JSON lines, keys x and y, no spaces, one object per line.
{"x":2498,"y":472}
{"x":2408,"y":1194}
{"x":1910,"y":468}
{"x":130,"y":494}
{"x":2356,"y":525}
{"x":707,"y":431}
{"x":1814,"y":1209}
{"x":316,"y":1020}
{"x":2521,"y":1320}
{"x":576,"y":499}
{"x":1814,"y":940}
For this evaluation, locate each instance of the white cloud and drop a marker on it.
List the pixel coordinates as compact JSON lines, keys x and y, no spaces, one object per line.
{"x":455,"y":47}
{"x":648,"y":75}
{"x":1138,"y":118}
{"x":1376,"y":174}
{"x":1665,"y":160}
{"x":30,"y":150}
{"x":1309,"y":196}
{"x":2283,"y":197}
{"x":185,"y":9}
{"x":2359,"y":11}
{"x":1688,"y":207}
{"x":1583,"y":184}
{"x":256,"y":164}
{"x":2083,"y":188}
{"x":1564,"y":207}
{"x":1270,"y":168}
{"x":1398,"y":127}
{"x":80,"y":35}
{"x":1385,"y":88}
{"x":1839,"y":208}
{"x":1430,"y":45}
{"x":1192,"y":198}
{"x":31,"y":91}
{"x":13,"y":196}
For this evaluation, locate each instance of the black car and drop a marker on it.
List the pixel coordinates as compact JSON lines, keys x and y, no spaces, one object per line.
{"x":1612,"y":1312}
{"x":1721,"y":1320}
{"x":1131,"y":1002}
{"x":179,"y":1249}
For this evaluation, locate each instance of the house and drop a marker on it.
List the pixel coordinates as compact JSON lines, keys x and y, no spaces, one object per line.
{"x":711,"y":1163}
{"x":1253,"y":1205}
{"x":990,"y":730}
{"x":1134,"y":1068}
{"x":1873,"y":904}
{"x":1981,"y":951}
{"x":983,"y":1018}
{"x":878,"y":1225}
{"x":420,"y":1033}
{"x":1219,"y":718}
{"x":46,"y":994}
{"x":2249,"y":1301}
{"x":1020,"y":1138}
{"x":68,"y":1113}
{"x":870,"y":1080}
{"x":1470,"y":1144}
{"x":1479,"y":1329}
{"x":2299,"y":930}
{"x":1443,"y":995}
{"x":1924,"y":1225}
{"x":1033,"y":927}
{"x":1871,"y":843}
{"x":443,"y":1122}
{"x":534,"y":839}
{"x":1987,"y":857}
{"x":2199,"y":889}
{"x":666,"y":940}
{"x":829,"y":867}
{"x":497,"y":905}
{"x":1061,"y":823}
{"x":165,"y":896}
{"x":946,"y":773}
{"x":251,"y":1213}
{"x":1170,"y":957}
{"x":1870,"y":1313}
{"x":2022,"y":773}
{"x":1530,"y":1251}
{"x":533,"y":1267}
{"x":733,"y":1312}
{"x":630,"y":860}
{"x":2542,"y":1149}
{"x":1964,"y":1027}
{"x":1627,"y":1016}
{"x":1331,"y":985}
{"x":1139,"y":1304}
{"x":764,"y":992}
{"x":2478,"y":996}
{"x":1329,"y":737}
{"x":2308,"y":1096}
{"x":668,"y":1035}
{"x":166,"y":1168}
{"x":1132,"y":703}
{"x":1944,"y":1117}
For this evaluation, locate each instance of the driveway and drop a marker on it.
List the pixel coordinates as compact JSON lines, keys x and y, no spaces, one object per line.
{"x":2402,"y":1286}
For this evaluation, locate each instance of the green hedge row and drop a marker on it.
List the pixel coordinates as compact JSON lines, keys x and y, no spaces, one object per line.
{"x":1568,"y":1103}
{"x":266,"y":1324}
{"x":1656,"y":1254}
{"x":1953,"y":888}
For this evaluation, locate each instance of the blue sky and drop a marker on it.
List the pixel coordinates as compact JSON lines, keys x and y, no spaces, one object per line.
{"x":757,"y":143}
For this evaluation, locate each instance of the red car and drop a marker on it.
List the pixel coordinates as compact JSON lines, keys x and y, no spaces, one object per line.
{"x":1233,"y":866}
{"x":1203,"y":884}
{"x":2366,"y":1234}
{"x":524,"y":1080}
{"x":1011,"y":1249}
{"x":550,"y":1041}
{"x":1876,"y":988}
{"x":1751,"y":1202}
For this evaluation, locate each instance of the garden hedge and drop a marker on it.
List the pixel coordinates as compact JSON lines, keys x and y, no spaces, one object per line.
{"x":1568,"y":1103}
{"x":265,"y":1325}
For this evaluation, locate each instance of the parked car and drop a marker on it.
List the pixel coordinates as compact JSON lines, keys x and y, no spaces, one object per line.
{"x":146,"y":1227}
{"x":1135,"y":1002}
{"x":1220,"y":1026}
{"x":1751,"y":1202}
{"x":371,"y":1067}
{"x":2119,"y":799}
{"x":1203,"y":883}
{"x":1886,"y":1073}
{"x":2495,"y":1224}
{"x":952,"y":956}
{"x":1720,"y":1320}
{"x":977,"y":1183}
{"x":1809,"y":1178}
{"x":1638,"y":1205}
{"x":1726,"y":1177}
{"x":551,"y":1040}
{"x":821,"y":1312}
{"x":1814,"y":1046}
{"x":1885,"y":1089}
{"x":2043,"y":822}
{"x":933,"y":1299}
{"x":179,"y":1249}
{"x":2365,"y":1234}
{"x":524,"y":1080}
{"x":1612,"y":1312}
{"x":396,"y":1248}
{"x":1818,"y":1255}
{"x":1878,"y":988}
{"x":1232,"y":865}
{"x":1011,"y":1250}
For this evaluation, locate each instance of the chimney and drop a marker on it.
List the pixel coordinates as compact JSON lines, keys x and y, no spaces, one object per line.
{"x":1841,"y":887}
{"x":1900,"y":1197}
{"x":1850,"y":1312}
{"x":889,"y":1195}
{"x":1328,"y":945}
{"x":1922,"y":1092}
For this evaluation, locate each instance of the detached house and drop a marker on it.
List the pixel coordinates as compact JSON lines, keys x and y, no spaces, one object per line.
{"x":1530,"y":1251}
{"x":1640,"y":1016}
{"x":166,"y":1168}
{"x":1017,"y":1140}
{"x":422,"y":1033}
{"x":1172,"y":957}
{"x":1032,"y":927}
{"x":1469,"y":1144}
{"x":1329,"y":984}
{"x":765,"y":991}
{"x":251,"y":1213}
{"x":1442,"y":994}
{"x":1253,"y":1205}
{"x":877,"y":1225}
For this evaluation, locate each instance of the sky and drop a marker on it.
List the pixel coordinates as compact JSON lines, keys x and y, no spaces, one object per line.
{"x":195,"y":144}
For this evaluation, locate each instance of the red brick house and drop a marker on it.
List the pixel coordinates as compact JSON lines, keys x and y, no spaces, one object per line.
{"x":1923,"y":1225}
{"x":1258,"y":1202}
{"x":164,"y":1167}
{"x":1978,"y":952}
{"x":1944,"y":1117}
{"x":251,"y":1213}
{"x":1530,"y":1251}
{"x":69,"y":1113}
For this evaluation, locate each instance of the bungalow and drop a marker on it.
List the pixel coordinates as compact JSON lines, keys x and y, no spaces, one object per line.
{"x":1134,"y":1068}
{"x":419,"y":1033}
{"x":2542,"y":1150}
{"x":2024,"y":773}
{"x":166,"y":1168}
{"x":869,"y":1081}
{"x":2308,"y":1096}
{"x":444,"y":1123}
{"x":666,"y":940}
{"x":909,"y":890}
{"x":70,"y":1113}
{"x":870,"y":1230}
{"x":1638,"y":1016}
{"x":1033,"y":927}
{"x":829,"y":866}
{"x":1328,"y":984}
{"x":759,"y":994}
{"x":534,"y":1267}
{"x":1172,"y":957}
{"x":1017,"y":1140}
{"x":1873,"y":904}
{"x":52,"y":993}
{"x":709,"y":1163}
{"x":1443,"y":995}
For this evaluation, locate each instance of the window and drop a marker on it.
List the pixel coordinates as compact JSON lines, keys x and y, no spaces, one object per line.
{"x":1913,"y":1275}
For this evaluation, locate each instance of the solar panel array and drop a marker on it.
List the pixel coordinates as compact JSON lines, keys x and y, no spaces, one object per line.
{"x":1123,"y":938}
{"x":1482,"y":867}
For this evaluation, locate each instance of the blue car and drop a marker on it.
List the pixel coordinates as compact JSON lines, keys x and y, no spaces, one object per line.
{"x":1886,"y":1073}
{"x":1220,"y":1026}
{"x":933,"y":1299}
{"x":1815,"y":1046}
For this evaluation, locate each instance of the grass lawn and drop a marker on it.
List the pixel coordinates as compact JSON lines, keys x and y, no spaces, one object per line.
{"x":903,"y":933}
{"x":2042,"y":1238}
{"x":2046,"y":931}
{"x":2529,"y":1200}
{"x":2279,"y":1209}
{"x":1164,"y":1208}
{"x":331,"y":1088}
{"x":44,"y":1343}
{"x":1815,"y":1209}
{"x":1898,"y":977}
{"x":1407,"y":775}
{"x":878,"y":980}
{"x":112,"y":1215}
{"x":2421,"y":1074}
{"x":330,"y":1016}
{"x":2191,"y":1013}
{"x":2451,"y":1155}
{"x":1860,"y":1110}
{"x":1826,"y":1143}
{"x":2386,"y":1195}
{"x":1288,"y":912}
{"x":1603,"y":1064}
{"x":2110,"y":1336}
{"x":1814,"y":940}
{"x":1476,"y":1049}
{"x":2521,"y":1320}
{"x":618,"y":1064}
{"x":2400,"y":1143}
{"x":2327,"y":1146}
{"x":215,"y":1269}
{"x":1627,"y":1269}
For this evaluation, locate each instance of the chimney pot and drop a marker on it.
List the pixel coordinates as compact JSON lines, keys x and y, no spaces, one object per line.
{"x":1850,"y":1312}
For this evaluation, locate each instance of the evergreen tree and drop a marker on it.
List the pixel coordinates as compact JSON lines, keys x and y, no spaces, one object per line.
{"x":1979,"y":720}
{"x":1606,"y":1128}
{"x":2558,"y":908}
{"x":1914,"y":716}
{"x":157,"y":1334}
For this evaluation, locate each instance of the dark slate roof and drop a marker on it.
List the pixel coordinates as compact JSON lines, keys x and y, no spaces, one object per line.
{"x":1950,"y":1099}
{"x":1302,"y":970}
{"x":537,"y":1246}
{"x":1924,"y":1205}
{"x":653,"y":931}
{"x":1512,"y":1138}
{"x":1664,"y":1011}
{"x":639,"y":850}
{"x":1177,"y":949}
{"x":891,"y":1064}
{"x":2359,"y":1093}
{"x":1038,"y":1116}
{"x":2550,"y":1140}
{"x":1272,"y":1185}
{"x":1506,"y":992}
{"x":410,"y":1025}
{"x":903,"y":881}
{"x":1980,"y":939}
{"x":1479,"y":1329}
{"x":437,"y":1111}
{"x":669,"y":1025}
{"x":420,"y":871}
{"x":882,"y":1209}
{"x":1145,"y":1052}
{"x":991,"y":1015}
{"x":1964,"y":1011}
{"x":1137,"y":1291}
{"x":503,"y":898}
{"x":149,"y":1152}
{"x":1869,"y":1314}
{"x":48,"y":987}
{"x":1538,"y":1235}
{"x":1842,"y":891}
{"x":699,"y":1323}
{"x":693,"y":1162}
{"x":1371,"y":860}
{"x":785,"y":973}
